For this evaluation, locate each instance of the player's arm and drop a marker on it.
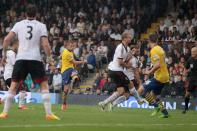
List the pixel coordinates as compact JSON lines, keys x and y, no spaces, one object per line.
{"x":124,"y":64}
{"x":137,"y":75}
{"x":45,"y":42}
{"x":46,"y":46}
{"x":156,"y":65}
{"x":78,"y":62}
{"x":7,"y":41}
{"x":71,"y":59}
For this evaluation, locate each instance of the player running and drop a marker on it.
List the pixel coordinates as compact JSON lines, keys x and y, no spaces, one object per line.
{"x":116,"y":72}
{"x":152,"y":88}
{"x":133,"y":75}
{"x":68,"y":71}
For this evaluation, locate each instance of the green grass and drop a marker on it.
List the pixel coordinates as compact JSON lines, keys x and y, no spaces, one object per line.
{"x":83,"y":118}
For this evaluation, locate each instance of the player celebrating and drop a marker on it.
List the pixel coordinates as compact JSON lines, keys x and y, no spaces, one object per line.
{"x":152,"y":88}
{"x":9,"y":64}
{"x":67,"y":70}
{"x":31,"y":34}
{"x":116,"y":68}
{"x":191,"y":66}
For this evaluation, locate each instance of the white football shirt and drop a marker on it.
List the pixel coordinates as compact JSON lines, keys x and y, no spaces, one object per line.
{"x":29,"y":34}
{"x":130,"y":71}
{"x":121,"y":52}
{"x":10,"y":61}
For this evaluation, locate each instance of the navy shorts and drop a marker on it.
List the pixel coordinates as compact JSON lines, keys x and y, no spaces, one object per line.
{"x":153,"y":85}
{"x":67,"y":76}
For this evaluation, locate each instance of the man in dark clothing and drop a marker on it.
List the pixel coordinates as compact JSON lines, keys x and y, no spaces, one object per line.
{"x":191,"y":66}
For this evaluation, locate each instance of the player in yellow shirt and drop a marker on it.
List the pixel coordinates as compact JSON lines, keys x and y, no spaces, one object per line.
{"x":67,"y":69}
{"x":152,"y":88}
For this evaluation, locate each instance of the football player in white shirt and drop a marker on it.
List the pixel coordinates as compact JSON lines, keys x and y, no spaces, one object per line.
{"x":116,"y":72}
{"x":31,"y":35}
{"x":133,"y":75}
{"x":9,"y":65}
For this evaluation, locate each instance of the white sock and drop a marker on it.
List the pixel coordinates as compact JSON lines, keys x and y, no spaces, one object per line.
{"x":111,"y":98}
{"x":22,"y":95}
{"x":119,"y":100}
{"x":8,"y":101}
{"x":135,"y":93}
{"x":46,"y":102}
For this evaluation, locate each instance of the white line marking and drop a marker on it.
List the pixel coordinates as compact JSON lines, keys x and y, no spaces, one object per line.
{"x":92,"y":125}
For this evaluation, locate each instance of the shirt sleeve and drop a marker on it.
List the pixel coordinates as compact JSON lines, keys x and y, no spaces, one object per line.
{"x":44,"y":30}
{"x":15,"y":29}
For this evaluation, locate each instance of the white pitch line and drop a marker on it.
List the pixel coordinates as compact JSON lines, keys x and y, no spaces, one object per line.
{"x":92,"y":125}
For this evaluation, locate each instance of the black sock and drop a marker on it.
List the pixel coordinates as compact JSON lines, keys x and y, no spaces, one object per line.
{"x":187,"y":102}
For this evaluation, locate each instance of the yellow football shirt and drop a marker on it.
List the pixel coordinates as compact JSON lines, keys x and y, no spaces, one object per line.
{"x":67,"y":58}
{"x":158,"y":54}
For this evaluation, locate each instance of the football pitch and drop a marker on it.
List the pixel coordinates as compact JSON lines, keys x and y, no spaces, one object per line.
{"x":90,"y":118}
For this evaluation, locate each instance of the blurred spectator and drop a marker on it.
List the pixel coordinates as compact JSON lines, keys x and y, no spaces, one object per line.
{"x":57,"y":81}
{"x":91,"y":61}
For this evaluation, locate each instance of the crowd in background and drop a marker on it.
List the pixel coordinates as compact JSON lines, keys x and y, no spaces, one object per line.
{"x":96,"y":27}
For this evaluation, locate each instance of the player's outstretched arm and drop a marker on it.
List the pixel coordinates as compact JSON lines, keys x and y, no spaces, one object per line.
{"x":156,"y":66}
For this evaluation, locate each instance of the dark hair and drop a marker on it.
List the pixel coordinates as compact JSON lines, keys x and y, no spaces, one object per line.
{"x":153,"y":38}
{"x":31,"y":10}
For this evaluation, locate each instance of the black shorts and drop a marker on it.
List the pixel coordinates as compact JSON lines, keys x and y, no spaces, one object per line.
{"x":192,"y":85}
{"x":33,"y":67}
{"x":120,"y":79}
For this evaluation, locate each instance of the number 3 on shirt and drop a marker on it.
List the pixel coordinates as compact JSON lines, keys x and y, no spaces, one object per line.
{"x":30,"y":28}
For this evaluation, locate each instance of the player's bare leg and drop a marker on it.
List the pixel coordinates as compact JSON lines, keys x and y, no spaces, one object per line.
{"x":120,"y":91}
